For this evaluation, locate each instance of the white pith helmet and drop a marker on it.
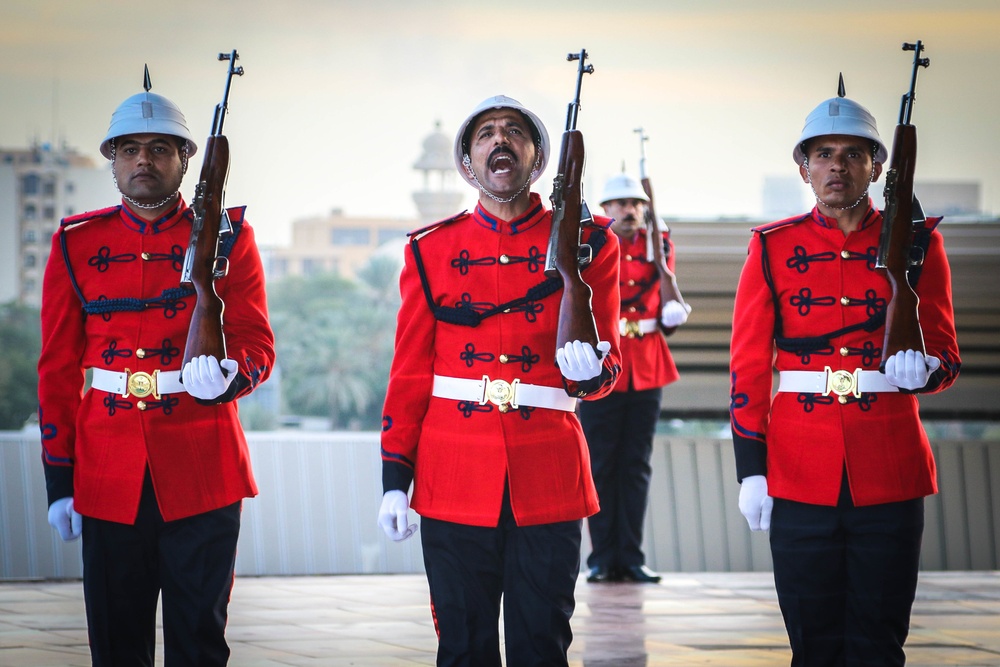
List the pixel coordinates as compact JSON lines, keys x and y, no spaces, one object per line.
{"x":840,"y":115}
{"x":500,"y":102}
{"x":148,"y":113}
{"x":622,"y":186}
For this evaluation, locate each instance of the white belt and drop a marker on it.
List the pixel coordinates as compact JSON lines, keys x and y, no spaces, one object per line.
{"x":829,"y":381}
{"x":637,"y":328}
{"x":138,"y":384}
{"x":503,"y":394}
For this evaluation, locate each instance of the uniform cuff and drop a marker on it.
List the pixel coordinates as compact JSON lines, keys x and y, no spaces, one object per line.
{"x":58,"y":482}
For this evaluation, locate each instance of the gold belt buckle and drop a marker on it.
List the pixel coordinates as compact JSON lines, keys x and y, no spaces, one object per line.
{"x":500,"y":393}
{"x":842,"y":383}
{"x":632,"y":328}
{"x":141,"y":384}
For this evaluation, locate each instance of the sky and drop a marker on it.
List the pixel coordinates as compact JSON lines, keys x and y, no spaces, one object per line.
{"x":338,"y":95}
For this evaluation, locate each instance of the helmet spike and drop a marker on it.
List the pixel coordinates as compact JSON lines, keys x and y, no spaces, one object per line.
{"x":145,"y":79}
{"x":840,"y":87}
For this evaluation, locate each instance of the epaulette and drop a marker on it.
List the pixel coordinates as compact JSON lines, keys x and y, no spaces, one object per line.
{"x":89,"y":215}
{"x":601,"y":222}
{"x":771,"y":226}
{"x":236,"y":214}
{"x":437,"y":225}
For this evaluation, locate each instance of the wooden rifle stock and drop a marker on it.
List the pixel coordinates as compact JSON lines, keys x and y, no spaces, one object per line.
{"x":895,"y":251}
{"x":669,"y":291}
{"x":576,"y":317}
{"x":902,"y":321}
{"x":202,"y":263}
{"x":565,"y":254}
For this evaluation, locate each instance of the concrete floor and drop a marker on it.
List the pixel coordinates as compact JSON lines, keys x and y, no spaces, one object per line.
{"x":729,"y":620}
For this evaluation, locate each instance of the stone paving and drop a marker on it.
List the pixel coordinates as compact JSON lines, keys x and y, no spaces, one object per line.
{"x":703,"y":619}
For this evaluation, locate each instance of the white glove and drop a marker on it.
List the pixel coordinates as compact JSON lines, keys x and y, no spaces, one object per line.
{"x":392,"y":516}
{"x":65,"y":519}
{"x":578,"y":361}
{"x":675,"y":314}
{"x":910,"y":369}
{"x":205,"y":378}
{"x":755,"y":504}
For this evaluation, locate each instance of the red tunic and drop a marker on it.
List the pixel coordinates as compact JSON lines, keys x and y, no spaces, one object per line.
{"x":459,"y":453}
{"x":823,"y":281}
{"x":97,"y":445}
{"x":646,"y":360}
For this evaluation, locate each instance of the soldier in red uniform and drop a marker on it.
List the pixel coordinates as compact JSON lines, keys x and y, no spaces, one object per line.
{"x":479,"y":418}
{"x":620,"y":426}
{"x":837,"y":471}
{"x":150,"y":462}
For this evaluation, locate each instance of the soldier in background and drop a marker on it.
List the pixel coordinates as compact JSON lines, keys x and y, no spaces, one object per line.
{"x":150,"y":468}
{"x":620,"y":426}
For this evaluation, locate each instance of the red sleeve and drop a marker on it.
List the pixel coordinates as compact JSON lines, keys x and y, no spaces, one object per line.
{"x":937,"y":315}
{"x":751,"y":364}
{"x":249,"y":339}
{"x":411,"y":378}
{"x":602,"y":277}
{"x":60,"y":371}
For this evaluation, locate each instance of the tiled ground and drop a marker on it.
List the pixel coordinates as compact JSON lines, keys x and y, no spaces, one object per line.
{"x":729,"y":620}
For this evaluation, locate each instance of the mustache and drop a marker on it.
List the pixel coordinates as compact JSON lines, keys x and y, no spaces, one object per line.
{"x":502,"y":150}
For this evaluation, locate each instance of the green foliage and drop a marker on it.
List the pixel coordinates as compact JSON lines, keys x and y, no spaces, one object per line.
{"x":20,"y":345}
{"x":334,"y":340}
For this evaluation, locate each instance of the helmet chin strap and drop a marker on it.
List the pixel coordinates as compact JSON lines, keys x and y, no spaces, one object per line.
{"x":147,"y":207}
{"x":467,"y":163}
{"x":864,"y":195}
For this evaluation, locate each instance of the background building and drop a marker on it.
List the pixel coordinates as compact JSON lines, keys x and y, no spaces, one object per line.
{"x":341,"y":244}
{"x":39,"y":186}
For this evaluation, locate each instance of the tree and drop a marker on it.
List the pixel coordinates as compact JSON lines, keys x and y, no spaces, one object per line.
{"x":334,"y":340}
{"x":20,"y":343}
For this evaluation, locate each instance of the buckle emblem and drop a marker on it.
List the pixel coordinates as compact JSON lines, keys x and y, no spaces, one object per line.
{"x":499,"y":392}
{"x":842,"y":383}
{"x":630,"y":328}
{"x":141,"y":384}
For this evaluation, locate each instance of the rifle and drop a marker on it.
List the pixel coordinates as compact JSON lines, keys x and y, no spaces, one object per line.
{"x":565,"y":253}
{"x":202,"y":263}
{"x":902,"y":212}
{"x":669,"y":291}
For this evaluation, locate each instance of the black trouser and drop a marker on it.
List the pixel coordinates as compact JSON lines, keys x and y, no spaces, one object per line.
{"x":533,"y":568}
{"x":846,"y":577}
{"x":619,"y":430}
{"x":126,"y":567}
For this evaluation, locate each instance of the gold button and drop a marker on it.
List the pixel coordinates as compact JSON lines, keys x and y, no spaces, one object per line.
{"x":846,"y":254}
{"x":504,"y":358}
{"x":141,"y":405}
{"x":504,"y":259}
{"x":631,"y":309}
{"x":844,"y":352}
{"x":842,"y":400}
{"x":503,"y":407}
{"x":506,"y":310}
{"x":141,"y":353}
{"x":145,"y":255}
{"x":845,"y":301}
{"x":631,"y":283}
{"x":628,"y":258}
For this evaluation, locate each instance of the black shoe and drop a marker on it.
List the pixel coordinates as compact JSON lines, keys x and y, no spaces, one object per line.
{"x":600,"y":574}
{"x":640,"y":574}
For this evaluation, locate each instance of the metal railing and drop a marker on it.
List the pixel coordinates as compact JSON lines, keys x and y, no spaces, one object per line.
{"x":319,"y":494}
